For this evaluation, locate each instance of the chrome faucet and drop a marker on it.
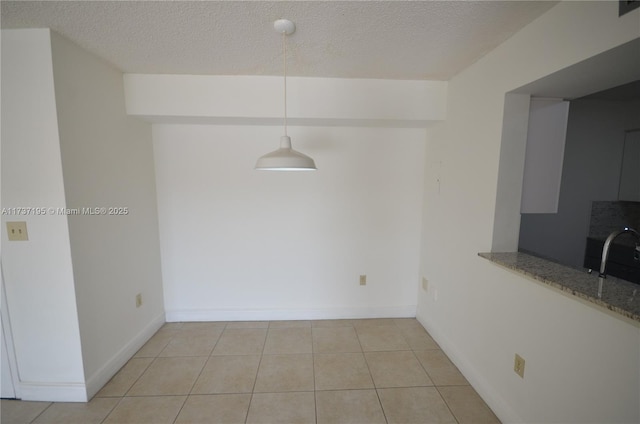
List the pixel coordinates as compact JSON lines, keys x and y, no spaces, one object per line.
{"x":607,"y":246}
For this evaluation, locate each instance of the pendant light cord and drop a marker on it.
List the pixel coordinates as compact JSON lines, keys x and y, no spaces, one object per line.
{"x":284,"y":49}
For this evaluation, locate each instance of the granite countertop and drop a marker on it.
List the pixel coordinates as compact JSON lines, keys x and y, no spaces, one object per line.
{"x":619,"y":296}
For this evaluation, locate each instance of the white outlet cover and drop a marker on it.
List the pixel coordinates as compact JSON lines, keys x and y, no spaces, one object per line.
{"x":17,"y":231}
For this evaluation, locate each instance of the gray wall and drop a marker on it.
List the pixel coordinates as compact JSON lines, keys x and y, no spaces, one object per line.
{"x":591,"y":171}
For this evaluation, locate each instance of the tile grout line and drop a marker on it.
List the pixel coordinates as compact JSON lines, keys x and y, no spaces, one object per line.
{"x":375,"y":387}
{"x":313,"y":370}
{"x":447,"y":403}
{"x":111,"y":410}
{"x":42,"y":412}
{"x":199,"y":374}
{"x":124,"y":395}
{"x":432,"y":381}
{"x":255,"y":380}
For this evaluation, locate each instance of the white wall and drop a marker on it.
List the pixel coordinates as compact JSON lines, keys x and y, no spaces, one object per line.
{"x":38,"y":273}
{"x":107,"y":161}
{"x":244,"y":244}
{"x":260,"y":100}
{"x":582,"y":365}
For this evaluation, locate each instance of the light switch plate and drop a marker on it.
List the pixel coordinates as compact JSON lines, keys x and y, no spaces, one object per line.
{"x":17,"y":231}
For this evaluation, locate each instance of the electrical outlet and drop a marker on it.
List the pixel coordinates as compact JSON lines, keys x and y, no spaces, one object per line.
{"x":363,"y":280}
{"x":425,"y":284}
{"x":518,"y":365}
{"x":17,"y":231}
{"x":138,"y":300}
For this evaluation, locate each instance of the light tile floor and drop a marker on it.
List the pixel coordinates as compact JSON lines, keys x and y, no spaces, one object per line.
{"x":331,"y":371}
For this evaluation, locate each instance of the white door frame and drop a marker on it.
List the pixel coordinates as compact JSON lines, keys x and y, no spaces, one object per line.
{"x":7,"y":336}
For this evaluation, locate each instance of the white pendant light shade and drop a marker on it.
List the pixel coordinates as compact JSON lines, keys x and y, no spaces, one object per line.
{"x":285,"y":159}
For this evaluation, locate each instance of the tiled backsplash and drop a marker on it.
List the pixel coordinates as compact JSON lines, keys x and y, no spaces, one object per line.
{"x":609,"y":216}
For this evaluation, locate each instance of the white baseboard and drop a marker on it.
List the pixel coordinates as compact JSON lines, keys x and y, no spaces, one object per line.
{"x":81,"y":392}
{"x":108,"y":370}
{"x":503,"y":411}
{"x":407,"y":311}
{"x":53,"y":392}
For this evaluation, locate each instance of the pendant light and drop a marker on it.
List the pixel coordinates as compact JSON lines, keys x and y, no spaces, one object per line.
{"x":285,"y":158}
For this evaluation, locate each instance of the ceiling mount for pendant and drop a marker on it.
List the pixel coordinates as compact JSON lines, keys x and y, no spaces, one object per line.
{"x":285,"y":158}
{"x":284,"y":26}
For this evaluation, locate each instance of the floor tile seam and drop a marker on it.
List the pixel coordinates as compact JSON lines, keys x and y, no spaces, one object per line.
{"x":372,"y":380}
{"x":139,"y":377}
{"x":337,"y":352}
{"x":255,"y":379}
{"x":41,"y":412}
{"x":219,"y":355}
{"x":313,"y":371}
{"x":184,"y":402}
{"x":333,"y":326}
{"x":387,"y":350}
{"x":406,"y":387}
{"x":243,"y":328}
{"x":246,"y":327}
{"x":186,"y":356}
{"x":406,"y":339}
{"x":358,"y":337}
{"x":112,"y":409}
{"x":285,"y":391}
{"x":401,"y":331}
{"x":287,"y":353}
{"x":195,"y":380}
{"x":413,"y":387}
{"x":454,"y":385}
{"x":372,"y":387}
{"x":106,"y":397}
{"x":346,"y":389}
{"x":375,"y":328}
{"x":428,"y":350}
{"x":156,"y":395}
{"x":217,"y":341}
{"x":183,"y":356}
{"x":431,"y":378}
{"x":423,"y":367}
{"x":448,"y":407}
{"x":219,"y":393}
{"x":163,"y":348}
{"x":384,"y":413}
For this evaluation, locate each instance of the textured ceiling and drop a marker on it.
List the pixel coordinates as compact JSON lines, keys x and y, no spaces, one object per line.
{"x":358,"y":39}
